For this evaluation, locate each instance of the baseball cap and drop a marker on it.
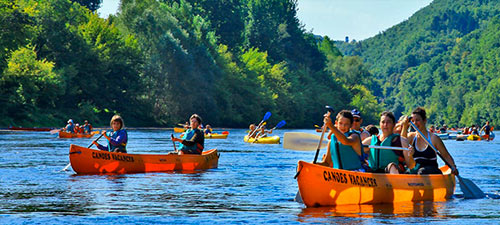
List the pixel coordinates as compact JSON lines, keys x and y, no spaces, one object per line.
{"x":356,"y":113}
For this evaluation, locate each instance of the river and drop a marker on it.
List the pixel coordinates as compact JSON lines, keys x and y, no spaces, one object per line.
{"x":253,"y":184}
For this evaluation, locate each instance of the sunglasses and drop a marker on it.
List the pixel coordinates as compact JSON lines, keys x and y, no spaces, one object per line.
{"x":357,"y":120}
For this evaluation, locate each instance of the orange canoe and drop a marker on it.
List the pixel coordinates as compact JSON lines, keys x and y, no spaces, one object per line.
{"x":63,"y":134}
{"x":324,"y":186}
{"x":90,"y":161}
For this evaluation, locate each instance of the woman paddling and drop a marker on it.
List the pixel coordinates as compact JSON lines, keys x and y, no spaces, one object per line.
{"x":117,"y":139}
{"x":425,"y":157}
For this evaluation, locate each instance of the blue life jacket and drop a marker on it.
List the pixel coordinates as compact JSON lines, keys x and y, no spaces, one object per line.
{"x":379,"y":159}
{"x":86,"y":128}
{"x":114,"y":135}
{"x":187,"y":136}
{"x":344,"y":156}
{"x":70,"y":128}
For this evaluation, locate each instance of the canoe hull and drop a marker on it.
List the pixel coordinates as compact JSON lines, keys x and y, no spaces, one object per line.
{"x":179,"y":130}
{"x":30,"y":128}
{"x":216,"y":136}
{"x":90,"y":161}
{"x":324,"y":186}
{"x":263,"y":140}
{"x":63,"y":134}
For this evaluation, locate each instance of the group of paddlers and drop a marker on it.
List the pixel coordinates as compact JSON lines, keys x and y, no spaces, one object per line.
{"x":348,"y":146}
{"x":71,"y":127}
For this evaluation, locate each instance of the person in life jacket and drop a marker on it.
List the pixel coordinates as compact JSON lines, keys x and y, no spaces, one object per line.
{"x":388,"y":161}
{"x":193,"y":140}
{"x":344,"y":150}
{"x":117,"y":138}
{"x":424,"y":155}
{"x":252,"y":133}
{"x":262,"y":132}
{"x":78,"y":129}
{"x":70,"y":127}
{"x":356,"y":124}
{"x":486,"y":129}
{"x":87,"y":127}
{"x":208,"y":129}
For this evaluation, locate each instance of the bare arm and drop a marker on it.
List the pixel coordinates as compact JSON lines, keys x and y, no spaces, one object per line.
{"x":438,"y":143}
{"x":408,"y":155}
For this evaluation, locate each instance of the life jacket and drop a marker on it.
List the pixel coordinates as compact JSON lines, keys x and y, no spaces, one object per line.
{"x":344,"y":156}
{"x":379,"y":159}
{"x":114,"y":134}
{"x":87,"y":128}
{"x":70,"y":128}
{"x":188,"y":135}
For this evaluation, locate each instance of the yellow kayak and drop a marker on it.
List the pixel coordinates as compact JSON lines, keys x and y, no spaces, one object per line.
{"x":217,"y":136}
{"x":474,"y":137}
{"x":263,"y":140}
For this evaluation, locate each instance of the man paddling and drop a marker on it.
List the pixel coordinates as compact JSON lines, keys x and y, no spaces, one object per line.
{"x":486,"y":128}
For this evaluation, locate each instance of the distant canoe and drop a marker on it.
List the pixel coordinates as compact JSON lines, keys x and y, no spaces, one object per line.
{"x":443,"y":136}
{"x":325,"y":186}
{"x":90,"y":161}
{"x":179,"y":129}
{"x":263,"y":140}
{"x":30,"y":128}
{"x":63,"y":134}
{"x":216,"y":135}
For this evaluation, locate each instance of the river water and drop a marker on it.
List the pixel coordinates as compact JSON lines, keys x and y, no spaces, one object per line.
{"x":253,"y":184}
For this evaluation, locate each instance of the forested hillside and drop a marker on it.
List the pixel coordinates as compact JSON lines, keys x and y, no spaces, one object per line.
{"x":445,"y":57}
{"x":157,"y":62}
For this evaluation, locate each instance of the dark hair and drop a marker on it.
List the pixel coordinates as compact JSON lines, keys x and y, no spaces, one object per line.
{"x":345,"y":113}
{"x":390,"y":115}
{"x":198,"y":118}
{"x":372,"y":129}
{"x":421,"y":112}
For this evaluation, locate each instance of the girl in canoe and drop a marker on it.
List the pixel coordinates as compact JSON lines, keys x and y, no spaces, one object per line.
{"x":193,"y":140}
{"x":388,"y":161}
{"x":425,"y":157}
{"x":344,"y":149}
{"x":117,"y":139}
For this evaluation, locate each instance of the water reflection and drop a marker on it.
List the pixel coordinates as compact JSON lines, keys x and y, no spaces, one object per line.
{"x":421,"y":209}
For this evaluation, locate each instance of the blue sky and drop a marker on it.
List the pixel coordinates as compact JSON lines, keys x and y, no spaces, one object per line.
{"x":358,"y":19}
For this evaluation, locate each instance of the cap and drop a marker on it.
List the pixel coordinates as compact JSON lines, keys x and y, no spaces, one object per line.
{"x":356,"y":113}
{"x":70,"y":121}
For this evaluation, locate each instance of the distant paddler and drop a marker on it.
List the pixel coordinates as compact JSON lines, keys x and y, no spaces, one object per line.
{"x":193,"y":140}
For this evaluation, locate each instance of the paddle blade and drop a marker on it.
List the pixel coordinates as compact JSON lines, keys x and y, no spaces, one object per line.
{"x":266,"y":116}
{"x":302,"y":141}
{"x":280,"y":124}
{"x":55,"y":131}
{"x":470,"y":190}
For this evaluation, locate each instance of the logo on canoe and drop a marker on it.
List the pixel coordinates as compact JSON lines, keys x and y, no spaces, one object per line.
{"x":349,"y":178}
{"x":108,"y":156}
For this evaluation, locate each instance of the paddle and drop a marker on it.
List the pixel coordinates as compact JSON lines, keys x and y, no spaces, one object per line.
{"x":69,"y":164}
{"x":308,"y":142}
{"x":329,"y":112}
{"x":55,"y":131}
{"x":279,"y":125}
{"x":470,"y":190}
{"x":266,"y":116}
{"x":175,"y":148}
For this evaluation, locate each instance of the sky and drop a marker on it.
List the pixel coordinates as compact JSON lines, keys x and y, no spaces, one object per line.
{"x":357,"y":19}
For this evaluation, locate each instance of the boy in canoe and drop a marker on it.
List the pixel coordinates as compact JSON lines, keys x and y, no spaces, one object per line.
{"x":117,"y":139}
{"x":193,"y":140}
{"x":344,"y":149}
{"x":388,"y":161}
